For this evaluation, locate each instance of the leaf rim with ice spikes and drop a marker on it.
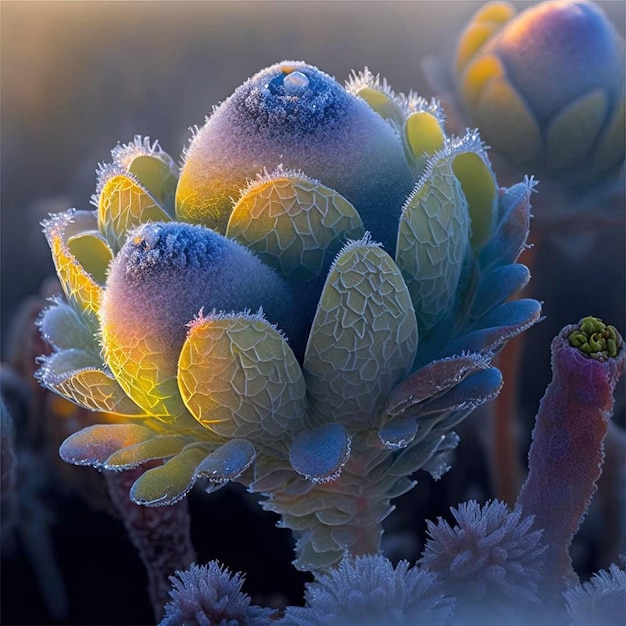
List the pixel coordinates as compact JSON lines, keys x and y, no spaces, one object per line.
{"x":79,"y":286}
{"x":294,"y":224}
{"x":433,"y":236}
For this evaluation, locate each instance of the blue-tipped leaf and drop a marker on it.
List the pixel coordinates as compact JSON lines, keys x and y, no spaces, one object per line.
{"x":497,"y":327}
{"x":472,"y":391}
{"x":398,"y":433}
{"x":432,"y":380}
{"x":319,"y":454}
{"x":510,"y":235}
{"x":228,"y":461}
{"x":497,"y":286}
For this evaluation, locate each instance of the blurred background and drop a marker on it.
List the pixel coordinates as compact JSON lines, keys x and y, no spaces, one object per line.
{"x":76,"y":78}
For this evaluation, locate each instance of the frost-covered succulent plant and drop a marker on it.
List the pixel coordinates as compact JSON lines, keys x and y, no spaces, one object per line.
{"x":491,"y":561}
{"x":369,"y":590}
{"x":601,"y":600}
{"x":210,"y":595}
{"x":316,"y":339}
{"x":546,"y":88}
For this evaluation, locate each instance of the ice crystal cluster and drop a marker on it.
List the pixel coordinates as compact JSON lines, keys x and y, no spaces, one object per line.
{"x":209,"y":595}
{"x":491,"y":561}
{"x":370,"y":591}
{"x":484,"y":570}
{"x":601,"y":600}
{"x":308,"y":308}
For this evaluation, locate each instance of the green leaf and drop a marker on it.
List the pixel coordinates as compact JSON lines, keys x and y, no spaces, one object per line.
{"x":296,"y":225}
{"x":432,"y":239}
{"x":239,"y":378}
{"x":363,"y":338}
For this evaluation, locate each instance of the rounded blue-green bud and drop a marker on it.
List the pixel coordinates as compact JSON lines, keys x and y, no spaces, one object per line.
{"x":294,"y":115}
{"x":546,"y":87}
{"x":162,"y":278}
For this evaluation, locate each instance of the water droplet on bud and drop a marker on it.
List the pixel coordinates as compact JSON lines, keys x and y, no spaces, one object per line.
{"x":295,"y":84}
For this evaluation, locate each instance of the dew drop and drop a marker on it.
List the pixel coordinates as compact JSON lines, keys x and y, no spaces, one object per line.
{"x":295,"y":84}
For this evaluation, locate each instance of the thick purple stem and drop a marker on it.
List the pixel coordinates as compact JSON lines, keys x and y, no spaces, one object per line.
{"x":567,"y":451}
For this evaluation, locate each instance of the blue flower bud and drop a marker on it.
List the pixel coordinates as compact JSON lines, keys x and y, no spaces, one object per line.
{"x":294,"y":115}
{"x":163,"y":276}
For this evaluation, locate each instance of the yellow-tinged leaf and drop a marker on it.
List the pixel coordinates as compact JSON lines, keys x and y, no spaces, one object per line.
{"x":142,"y":372}
{"x":156,"y":448}
{"x":481,"y":192}
{"x":123,"y":204}
{"x":478,"y":74}
{"x":424,"y":135}
{"x":97,"y":390}
{"x":498,"y":12}
{"x":239,"y":378}
{"x":79,"y":286}
{"x":472,"y":40}
{"x":385,"y":106}
{"x":170,"y":482}
{"x":153,"y":168}
{"x":295,"y":224}
{"x":78,"y":376}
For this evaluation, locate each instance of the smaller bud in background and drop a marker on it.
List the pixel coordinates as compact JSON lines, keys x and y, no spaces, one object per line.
{"x":546,"y":88}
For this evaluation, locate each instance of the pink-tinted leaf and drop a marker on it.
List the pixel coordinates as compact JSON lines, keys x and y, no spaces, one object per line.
{"x":431,"y":380}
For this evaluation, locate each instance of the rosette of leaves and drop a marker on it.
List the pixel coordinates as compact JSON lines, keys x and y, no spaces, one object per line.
{"x":272,"y":339}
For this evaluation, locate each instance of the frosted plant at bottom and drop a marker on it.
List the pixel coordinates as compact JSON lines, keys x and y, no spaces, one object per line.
{"x":317,"y":337}
{"x":369,"y":590}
